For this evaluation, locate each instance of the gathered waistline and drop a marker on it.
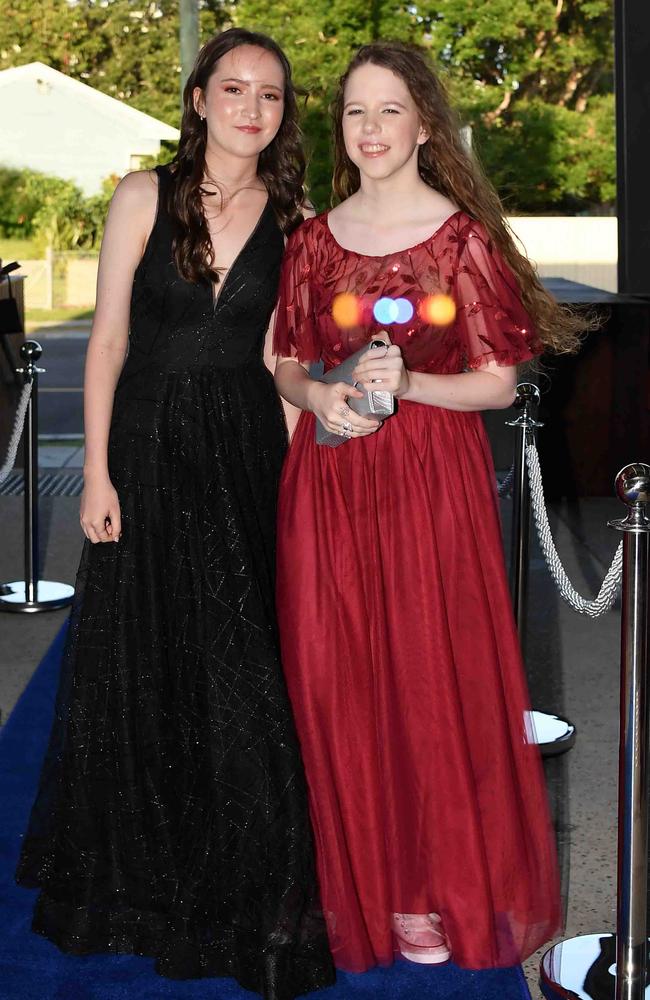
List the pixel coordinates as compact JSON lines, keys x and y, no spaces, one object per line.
{"x":134,"y":368}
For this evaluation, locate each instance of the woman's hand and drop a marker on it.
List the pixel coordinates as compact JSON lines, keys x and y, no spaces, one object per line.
{"x":384,"y":370}
{"x":330,"y":404}
{"x":100,"y":516}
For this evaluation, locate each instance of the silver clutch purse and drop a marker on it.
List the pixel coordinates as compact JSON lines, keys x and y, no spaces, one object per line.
{"x":375,"y":403}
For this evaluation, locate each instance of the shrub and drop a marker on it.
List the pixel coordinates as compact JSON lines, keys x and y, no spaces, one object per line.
{"x":52,"y":211}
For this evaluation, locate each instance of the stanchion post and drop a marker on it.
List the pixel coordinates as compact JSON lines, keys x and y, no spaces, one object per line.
{"x":633,"y":487}
{"x":553,"y":733}
{"x":526,"y":400}
{"x":32,"y":593}
{"x":587,"y":963}
{"x":30,"y":352}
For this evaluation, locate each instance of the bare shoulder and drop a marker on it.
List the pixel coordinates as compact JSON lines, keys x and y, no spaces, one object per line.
{"x":131,"y":217}
{"x":133,"y":208}
{"x":137,"y":191}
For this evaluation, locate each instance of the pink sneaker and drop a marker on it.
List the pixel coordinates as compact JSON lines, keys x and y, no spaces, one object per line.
{"x":420,"y":937}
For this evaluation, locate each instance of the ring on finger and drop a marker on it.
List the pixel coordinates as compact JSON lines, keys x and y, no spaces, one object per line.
{"x":347,"y":426}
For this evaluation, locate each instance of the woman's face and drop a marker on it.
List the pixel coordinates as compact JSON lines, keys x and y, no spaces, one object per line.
{"x":381,"y":123}
{"x":243,"y":102}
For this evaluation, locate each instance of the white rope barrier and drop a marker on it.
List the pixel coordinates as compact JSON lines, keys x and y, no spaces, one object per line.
{"x":12,"y":450}
{"x":612,"y":582}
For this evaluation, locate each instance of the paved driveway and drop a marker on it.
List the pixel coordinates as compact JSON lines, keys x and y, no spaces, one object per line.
{"x":61,"y":387}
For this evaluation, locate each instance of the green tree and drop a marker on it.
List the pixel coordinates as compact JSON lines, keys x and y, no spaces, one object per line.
{"x":534,"y":78}
{"x":319,"y":40}
{"x":17,"y":205}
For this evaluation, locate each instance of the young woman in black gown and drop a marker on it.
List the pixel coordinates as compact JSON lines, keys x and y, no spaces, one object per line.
{"x":171,"y":818}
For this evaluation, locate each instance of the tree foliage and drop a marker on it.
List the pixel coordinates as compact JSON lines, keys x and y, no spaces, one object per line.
{"x":52,"y":211}
{"x":534,"y":78}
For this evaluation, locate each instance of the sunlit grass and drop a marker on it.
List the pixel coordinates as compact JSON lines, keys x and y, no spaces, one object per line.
{"x":15,"y":249}
{"x":58,"y":315}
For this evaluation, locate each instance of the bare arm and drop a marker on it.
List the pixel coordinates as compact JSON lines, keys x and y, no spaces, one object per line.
{"x":293,"y":382}
{"x":291,"y":413}
{"x":128,"y":225}
{"x":489,"y":388}
{"x":328,"y":402}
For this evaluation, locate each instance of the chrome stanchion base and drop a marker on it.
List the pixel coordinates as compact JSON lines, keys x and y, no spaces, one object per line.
{"x":553,"y":733}
{"x":49,"y":596}
{"x":583,"y":968}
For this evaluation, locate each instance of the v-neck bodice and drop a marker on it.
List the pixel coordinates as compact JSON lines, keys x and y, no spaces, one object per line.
{"x":217,"y":289}
{"x":178,"y":325}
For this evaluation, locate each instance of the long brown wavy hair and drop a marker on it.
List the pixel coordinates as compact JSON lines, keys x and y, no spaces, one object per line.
{"x":446,"y":165}
{"x":281,"y":166}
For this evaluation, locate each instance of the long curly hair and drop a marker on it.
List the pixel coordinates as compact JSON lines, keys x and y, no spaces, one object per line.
{"x":281,"y":166}
{"x":445,"y":164}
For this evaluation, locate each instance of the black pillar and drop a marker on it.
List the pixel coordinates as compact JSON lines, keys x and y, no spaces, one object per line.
{"x":633,"y":144}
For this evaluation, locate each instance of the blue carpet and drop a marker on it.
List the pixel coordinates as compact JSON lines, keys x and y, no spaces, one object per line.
{"x":33,"y":969}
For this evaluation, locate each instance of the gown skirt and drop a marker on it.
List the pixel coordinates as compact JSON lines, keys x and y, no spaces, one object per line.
{"x":402,"y":657}
{"x":171,"y":819}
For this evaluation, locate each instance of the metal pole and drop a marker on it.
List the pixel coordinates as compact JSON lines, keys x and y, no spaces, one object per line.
{"x":632,"y":483}
{"x":527,"y":398}
{"x":553,"y":733}
{"x":30,"y":451}
{"x":189,"y":39}
{"x":32,"y":593}
{"x":582,"y":967}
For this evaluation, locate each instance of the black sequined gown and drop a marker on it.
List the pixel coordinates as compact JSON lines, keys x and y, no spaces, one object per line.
{"x":171,"y":818}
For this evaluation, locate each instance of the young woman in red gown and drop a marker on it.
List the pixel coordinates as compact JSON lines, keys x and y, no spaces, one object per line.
{"x":398,"y":641}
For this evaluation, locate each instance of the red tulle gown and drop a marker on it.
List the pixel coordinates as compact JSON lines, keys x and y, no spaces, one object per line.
{"x":398,"y":638}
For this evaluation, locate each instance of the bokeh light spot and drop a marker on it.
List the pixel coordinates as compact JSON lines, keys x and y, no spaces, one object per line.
{"x":404,"y":310}
{"x":346,"y":310}
{"x":439,"y":310}
{"x":385,"y":310}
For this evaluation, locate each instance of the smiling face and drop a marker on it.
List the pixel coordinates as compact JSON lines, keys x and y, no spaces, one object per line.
{"x":381,"y":124}
{"x":243,"y":102}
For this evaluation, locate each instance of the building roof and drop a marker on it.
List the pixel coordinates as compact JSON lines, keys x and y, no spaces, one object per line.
{"x":110,"y":106}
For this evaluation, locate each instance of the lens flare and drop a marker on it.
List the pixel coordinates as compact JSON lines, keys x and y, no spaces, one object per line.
{"x":346,"y":310}
{"x":439,"y":310}
{"x":404,"y":310}
{"x":385,"y":310}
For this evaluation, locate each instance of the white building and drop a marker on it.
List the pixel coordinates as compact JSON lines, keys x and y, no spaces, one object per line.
{"x":62,"y":127}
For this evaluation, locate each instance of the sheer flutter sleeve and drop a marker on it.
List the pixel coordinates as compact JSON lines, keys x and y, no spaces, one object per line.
{"x":296,"y":334}
{"x":492,"y":322}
